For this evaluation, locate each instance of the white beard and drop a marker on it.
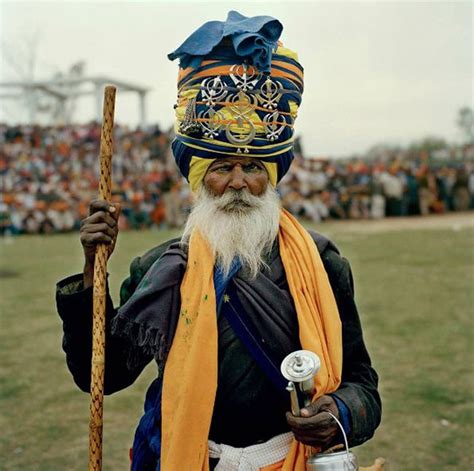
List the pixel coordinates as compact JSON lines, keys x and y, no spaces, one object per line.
{"x":236,"y":224}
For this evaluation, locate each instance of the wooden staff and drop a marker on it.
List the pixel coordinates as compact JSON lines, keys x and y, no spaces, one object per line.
{"x":100,"y":271}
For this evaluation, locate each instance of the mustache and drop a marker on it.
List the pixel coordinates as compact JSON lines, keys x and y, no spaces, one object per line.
{"x":237,"y":201}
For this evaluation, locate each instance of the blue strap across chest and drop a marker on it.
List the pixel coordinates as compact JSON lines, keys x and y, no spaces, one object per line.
{"x":147,"y":442}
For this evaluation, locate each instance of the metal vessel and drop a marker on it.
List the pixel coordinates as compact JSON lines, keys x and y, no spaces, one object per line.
{"x":300,"y":368}
{"x":337,"y":461}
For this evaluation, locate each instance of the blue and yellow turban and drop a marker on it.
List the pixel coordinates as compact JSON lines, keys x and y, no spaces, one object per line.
{"x":239,"y":91}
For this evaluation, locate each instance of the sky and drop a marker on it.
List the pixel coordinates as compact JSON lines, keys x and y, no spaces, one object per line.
{"x":375,"y":72}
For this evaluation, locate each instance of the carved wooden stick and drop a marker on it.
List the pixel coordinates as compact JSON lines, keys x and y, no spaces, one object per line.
{"x":100,"y":271}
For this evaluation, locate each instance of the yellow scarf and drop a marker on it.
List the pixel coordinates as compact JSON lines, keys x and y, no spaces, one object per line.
{"x":190,"y":376}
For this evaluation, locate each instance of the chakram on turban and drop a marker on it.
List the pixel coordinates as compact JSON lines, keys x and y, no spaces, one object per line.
{"x":239,"y":91}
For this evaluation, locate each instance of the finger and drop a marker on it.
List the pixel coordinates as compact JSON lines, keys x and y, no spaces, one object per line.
{"x":99,"y":217}
{"x":118,"y":209}
{"x":101,"y":205}
{"x":319,"y":436}
{"x":323,"y":403}
{"x":316,"y":438}
{"x":95,"y":238}
{"x":101,"y":227}
{"x":309,"y":423}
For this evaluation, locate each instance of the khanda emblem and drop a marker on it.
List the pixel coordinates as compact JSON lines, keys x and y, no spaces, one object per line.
{"x":270,"y":94}
{"x":232,"y":109}
{"x":212,"y":122}
{"x":273,"y":127}
{"x":241,"y":131}
{"x":245,"y":77}
{"x":213,"y":91}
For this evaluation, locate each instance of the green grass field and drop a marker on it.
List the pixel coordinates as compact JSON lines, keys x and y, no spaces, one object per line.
{"x":414,"y":292}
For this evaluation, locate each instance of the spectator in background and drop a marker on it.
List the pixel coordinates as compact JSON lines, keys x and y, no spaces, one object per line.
{"x":425,"y":193}
{"x":6,"y":224}
{"x":411,"y":195}
{"x":471,"y":188}
{"x":461,"y":197}
{"x":377,"y":197}
{"x":44,"y":168}
{"x":314,"y":209}
{"x":393,"y":190}
{"x":138,"y":218}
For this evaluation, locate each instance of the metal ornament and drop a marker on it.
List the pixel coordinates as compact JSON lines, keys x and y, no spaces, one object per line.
{"x":244,"y":77}
{"x":270,"y":94}
{"x":213,"y":122}
{"x":213,"y":90}
{"x":241,"y":101}
{"x":273,"y":128}
{"x":189,"y":125}
{"x":244,"y":131}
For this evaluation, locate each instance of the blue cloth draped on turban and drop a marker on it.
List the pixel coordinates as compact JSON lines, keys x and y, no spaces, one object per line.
{"x":239,"y":91}
{"x":251,"y":37}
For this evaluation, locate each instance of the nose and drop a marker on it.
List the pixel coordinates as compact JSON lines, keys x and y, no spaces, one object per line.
{"x":237,"y":178}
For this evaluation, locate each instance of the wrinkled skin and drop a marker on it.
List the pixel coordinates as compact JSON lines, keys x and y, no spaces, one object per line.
{"x":236,"y":173}
{"x":315,"y":427}
{"x":100,"y":227}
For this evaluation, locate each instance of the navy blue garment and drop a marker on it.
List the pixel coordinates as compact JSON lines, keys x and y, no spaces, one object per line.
{"x":147,"y":441}
{"x":254,"y":37}
{"x":136,"y":334}
{"x":344,"y":415}
{"x":221,"y":281}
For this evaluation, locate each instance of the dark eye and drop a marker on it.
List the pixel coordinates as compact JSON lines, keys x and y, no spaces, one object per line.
{"x":252,"y":168}
{"x":223,"y":169}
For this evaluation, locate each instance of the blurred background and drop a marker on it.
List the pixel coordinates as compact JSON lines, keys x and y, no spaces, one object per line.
{"x":384,"y":165}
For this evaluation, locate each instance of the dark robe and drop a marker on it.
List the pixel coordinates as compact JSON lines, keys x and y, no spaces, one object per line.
{"x":248,"y":408}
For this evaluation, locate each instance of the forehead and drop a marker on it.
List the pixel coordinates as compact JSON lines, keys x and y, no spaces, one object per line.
{"x":236,"y":161}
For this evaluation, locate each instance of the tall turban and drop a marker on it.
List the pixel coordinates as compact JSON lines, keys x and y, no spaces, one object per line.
{"x":239,"y":91}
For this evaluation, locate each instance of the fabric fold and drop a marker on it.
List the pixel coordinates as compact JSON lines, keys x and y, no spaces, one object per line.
{"x":254,"y":37}
{"x":190,"y":376}
{"x":150,"y":315}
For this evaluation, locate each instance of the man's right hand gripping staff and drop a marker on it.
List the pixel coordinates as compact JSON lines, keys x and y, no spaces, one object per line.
{"x":74,"y":301}
{"x":100,"y":227}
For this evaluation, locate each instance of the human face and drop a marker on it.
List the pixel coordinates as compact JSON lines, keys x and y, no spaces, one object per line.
{"x":236,"y":173}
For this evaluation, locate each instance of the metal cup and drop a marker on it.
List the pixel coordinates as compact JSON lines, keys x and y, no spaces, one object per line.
{"x":337,"y":461}
{"x":300,"y":368}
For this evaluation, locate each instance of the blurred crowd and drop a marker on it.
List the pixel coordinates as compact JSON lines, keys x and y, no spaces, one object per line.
{"x":48,"y":175}
{"x":322,"y":189}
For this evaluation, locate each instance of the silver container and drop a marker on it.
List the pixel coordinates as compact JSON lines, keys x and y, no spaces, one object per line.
{"x":299,"y":368}
{"x":338,"y":461}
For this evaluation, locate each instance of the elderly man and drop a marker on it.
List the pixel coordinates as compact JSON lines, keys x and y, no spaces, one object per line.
{"x":246,"y":284}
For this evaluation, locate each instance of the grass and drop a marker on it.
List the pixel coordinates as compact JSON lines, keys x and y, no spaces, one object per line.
{"x":414,"y":292}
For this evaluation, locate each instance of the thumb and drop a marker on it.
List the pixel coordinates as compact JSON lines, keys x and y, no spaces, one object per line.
{"x":316,"y":407}
{"x":117,"y":210}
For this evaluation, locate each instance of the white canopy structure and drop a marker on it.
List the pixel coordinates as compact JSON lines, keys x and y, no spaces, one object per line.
{"x":60,"y":94}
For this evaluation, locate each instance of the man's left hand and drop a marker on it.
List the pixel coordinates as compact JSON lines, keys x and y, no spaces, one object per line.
{"x":315,"y":427}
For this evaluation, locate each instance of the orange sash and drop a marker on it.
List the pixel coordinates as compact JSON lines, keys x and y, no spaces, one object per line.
{"x":190,"y":376}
